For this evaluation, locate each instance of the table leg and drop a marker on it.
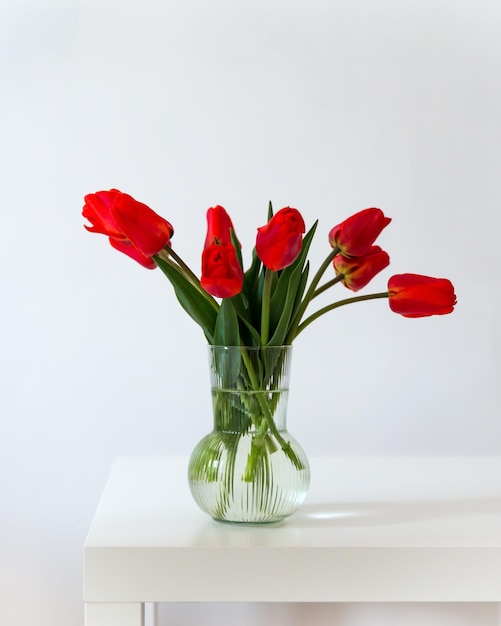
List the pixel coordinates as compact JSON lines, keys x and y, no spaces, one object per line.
{"x":114,"y":614}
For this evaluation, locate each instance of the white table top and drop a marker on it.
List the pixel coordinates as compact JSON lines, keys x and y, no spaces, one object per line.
{"x":371,"y":529}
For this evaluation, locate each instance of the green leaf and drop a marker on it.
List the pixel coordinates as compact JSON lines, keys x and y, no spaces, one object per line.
{"x":236,"y":245}
{"x":241,"y":304}
{"x":248,"y":334}
{"x":252,"y":337}
{"x":294,"y":320}
{"x":226,"y":332}
{"x":280,"y":313}
{"x":307,"y":239}
{"x":301,"y":287}
{"x":197,"y":304}
{"x":282,"y":328}
{"x":254,"y":295}
{"x":251,"y":275}
{"x":279,"y":296}
{"x":270,"y":210}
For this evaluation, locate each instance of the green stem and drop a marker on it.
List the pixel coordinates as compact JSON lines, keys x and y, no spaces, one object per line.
{"x":335,"y":305}
{"x":327,"y":285}
{"x":169,"y":252}
{"x":265,"y":307}
{"x":285,"y":445}
{"x":293,"y":330}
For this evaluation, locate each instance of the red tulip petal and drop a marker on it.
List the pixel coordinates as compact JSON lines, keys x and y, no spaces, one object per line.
{"x":414,"y":295}
{"x":145,"y":229}
{"x":97,"y":210}
{"x":357,"y":233}
{"x":359,"y":271}
{"x":279,"y":242}
{"x":222,"y":275}
{"x":127,"y":248}
{"x":219,"y":226}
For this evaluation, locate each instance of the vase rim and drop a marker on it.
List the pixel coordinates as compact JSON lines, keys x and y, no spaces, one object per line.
{"x":211,"y":345}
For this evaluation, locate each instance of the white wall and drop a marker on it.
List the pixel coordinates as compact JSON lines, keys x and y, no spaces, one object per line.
{"x":328,"y":106}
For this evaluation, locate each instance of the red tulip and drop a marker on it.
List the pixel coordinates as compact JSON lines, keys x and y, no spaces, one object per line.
{"x":279,"y":242}
{"x":356,"y":234}
{"x":133,"y":228}
{"x":219,"y":225}
{"x":222,"y":274}
{"x":413,"y":295}
{"x":358,"y":271}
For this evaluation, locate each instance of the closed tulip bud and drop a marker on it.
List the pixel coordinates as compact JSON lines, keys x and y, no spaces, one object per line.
{"x":132,"y":227}
{"x":279,"y":242}
{"x":358,"y":271}
{"x":219,"y":226}
{"x":222,"y":274}
{"x":413,"y":295}
{"x":355,"y":235}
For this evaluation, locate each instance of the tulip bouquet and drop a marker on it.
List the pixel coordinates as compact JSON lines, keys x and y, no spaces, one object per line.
{"x":268,"y":305}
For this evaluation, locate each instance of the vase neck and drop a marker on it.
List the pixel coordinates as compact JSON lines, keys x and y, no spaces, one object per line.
{"x":249,"y":411}
{"x":241,"y":368}
{"x":250,"y":387}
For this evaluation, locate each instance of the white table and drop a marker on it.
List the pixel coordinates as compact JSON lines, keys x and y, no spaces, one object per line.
{"x":371,"y":529}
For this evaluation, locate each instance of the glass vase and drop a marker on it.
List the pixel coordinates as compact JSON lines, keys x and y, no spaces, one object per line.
{"x":249,"y":469}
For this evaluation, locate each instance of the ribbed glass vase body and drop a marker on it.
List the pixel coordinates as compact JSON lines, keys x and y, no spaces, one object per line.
{"x":249,"y":469}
